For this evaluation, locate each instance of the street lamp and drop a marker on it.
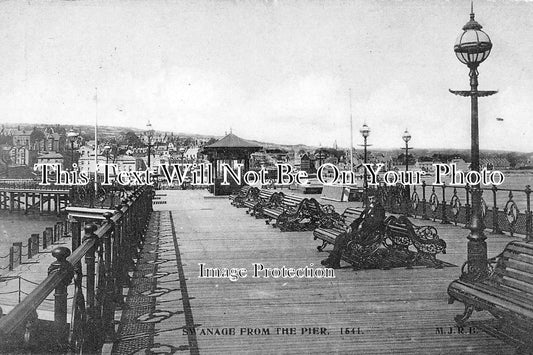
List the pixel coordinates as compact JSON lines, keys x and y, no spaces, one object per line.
{"x":472,"y":48}
{"x":406,"y":137}
{"x":72,"y":137}
{"x":149,"y":134}
{"x":365,"y":132}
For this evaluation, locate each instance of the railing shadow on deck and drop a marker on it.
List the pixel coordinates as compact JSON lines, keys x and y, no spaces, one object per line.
{"x":108,"y":250}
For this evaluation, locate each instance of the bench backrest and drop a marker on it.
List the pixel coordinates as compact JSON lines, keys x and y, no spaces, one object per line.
{"x":351,"y":214}
{"x":265,"y":194}
{"x":514,"y":269}
{"x":292,"y":200}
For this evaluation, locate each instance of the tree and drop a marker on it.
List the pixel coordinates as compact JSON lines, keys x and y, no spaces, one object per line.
{"x":36,"y":135}
{"x":132,"y":139}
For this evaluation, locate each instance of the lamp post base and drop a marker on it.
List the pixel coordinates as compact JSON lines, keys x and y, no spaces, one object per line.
{"x":476,"y":265}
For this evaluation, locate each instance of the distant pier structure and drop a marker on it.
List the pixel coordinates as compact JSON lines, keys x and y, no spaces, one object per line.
{"x":31,"y":197}
{"x":231,"y":150}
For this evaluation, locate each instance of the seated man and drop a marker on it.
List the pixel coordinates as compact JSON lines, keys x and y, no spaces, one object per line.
{"x":370,"y":219}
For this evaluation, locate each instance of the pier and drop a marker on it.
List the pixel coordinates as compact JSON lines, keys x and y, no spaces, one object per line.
{"x":160,"y":304}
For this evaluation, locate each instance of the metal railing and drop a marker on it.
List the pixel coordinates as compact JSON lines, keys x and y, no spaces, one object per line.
{"x":108,"y":251}
{"x":452,"y":204}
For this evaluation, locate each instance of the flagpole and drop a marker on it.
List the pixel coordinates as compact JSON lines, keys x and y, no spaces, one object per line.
{"x":351,"y":133}
{"x":96,"y":143}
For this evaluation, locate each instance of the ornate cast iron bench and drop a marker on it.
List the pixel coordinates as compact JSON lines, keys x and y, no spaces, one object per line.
{"x":295,"y":213}
{"x":400,"y":233}
{"x":240,"y":195}
{"x":387,"y":246}
{"x":288,"y":204}
{"x":251,"y":195}
{"x":308,"y":216}
{"x":264,"y":199}
{"x":507,"y":293}
{"x":330,"y":228}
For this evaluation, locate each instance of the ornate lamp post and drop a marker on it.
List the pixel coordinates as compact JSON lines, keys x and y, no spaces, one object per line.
{"x":406,"y":137}
{"x":72,"y":137}
{"x":472,"y":48}
{"x":365,"y":132}
{"x":149,"y":134}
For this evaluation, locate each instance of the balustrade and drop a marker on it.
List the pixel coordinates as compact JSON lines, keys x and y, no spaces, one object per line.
{"x":513,"y":216}
{"x":105,"y":249}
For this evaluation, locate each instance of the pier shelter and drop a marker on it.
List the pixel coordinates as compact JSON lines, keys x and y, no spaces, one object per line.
{"x":230,"y":150}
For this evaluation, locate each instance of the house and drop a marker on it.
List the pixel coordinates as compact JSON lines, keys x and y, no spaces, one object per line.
{"x":460,"y":164}
{"x":19,"y":156}
{"x":21,"y":138}
{"x":87,"y":163}
{"x":495,"y":164}
{"x":50,"y":158}
{"x":192,"y":154}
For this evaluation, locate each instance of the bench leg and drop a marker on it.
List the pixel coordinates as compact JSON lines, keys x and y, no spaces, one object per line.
{"x":438,"y":263}
{"x":321,"y":247}
{"x":460,"y":319}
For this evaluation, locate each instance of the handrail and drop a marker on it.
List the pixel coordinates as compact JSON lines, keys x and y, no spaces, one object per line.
{"x":113,"y":240}
{"x":452,"y":204}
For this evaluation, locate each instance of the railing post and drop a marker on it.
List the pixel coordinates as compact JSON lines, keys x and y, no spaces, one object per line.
{"x":93,"y":318}
{"x":495,"y":223}
{"x":529,"y":227}
{"x":60,"y":296}
{"x":444,"y":217}
{"x":108,"y":307}
{"x":424,"y":211}
{"x":75,"y":227}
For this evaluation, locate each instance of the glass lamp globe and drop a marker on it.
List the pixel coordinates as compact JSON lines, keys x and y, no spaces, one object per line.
{"x":473,"y":45}
{"x":365,"y":131}
{"x":406,"y":136}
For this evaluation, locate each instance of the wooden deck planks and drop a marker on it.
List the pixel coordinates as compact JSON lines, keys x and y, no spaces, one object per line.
{"x":397,"y":311}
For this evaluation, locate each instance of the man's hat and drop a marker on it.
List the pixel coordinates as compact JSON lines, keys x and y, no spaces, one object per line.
{"x":371,"y":193}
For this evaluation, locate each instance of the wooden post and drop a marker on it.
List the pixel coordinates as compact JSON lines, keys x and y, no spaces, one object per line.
{"x":50,"y":235}
{"x":56,"y":206}
{"x":34,"y":244}
{"x":41,"y":203}
{"x":11,"y":258}
{"x":30,"y":249}
{"x":26,"y":201}
{"x":45,"y":240}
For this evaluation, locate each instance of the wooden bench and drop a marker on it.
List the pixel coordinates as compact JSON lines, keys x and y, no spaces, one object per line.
{"x":309,"y":214}
{"x":331,"y":228}
{"x":288,"y":204}
{"x":401,"y":233}
{"x":242,"y":193}
{"x":385,"y":246}
{"x":264,"y":198}
{"x":507,"y":293}
{"x":294,"y":213}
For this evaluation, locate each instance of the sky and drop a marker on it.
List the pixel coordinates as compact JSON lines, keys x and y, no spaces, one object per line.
{"x":273,"y":71}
